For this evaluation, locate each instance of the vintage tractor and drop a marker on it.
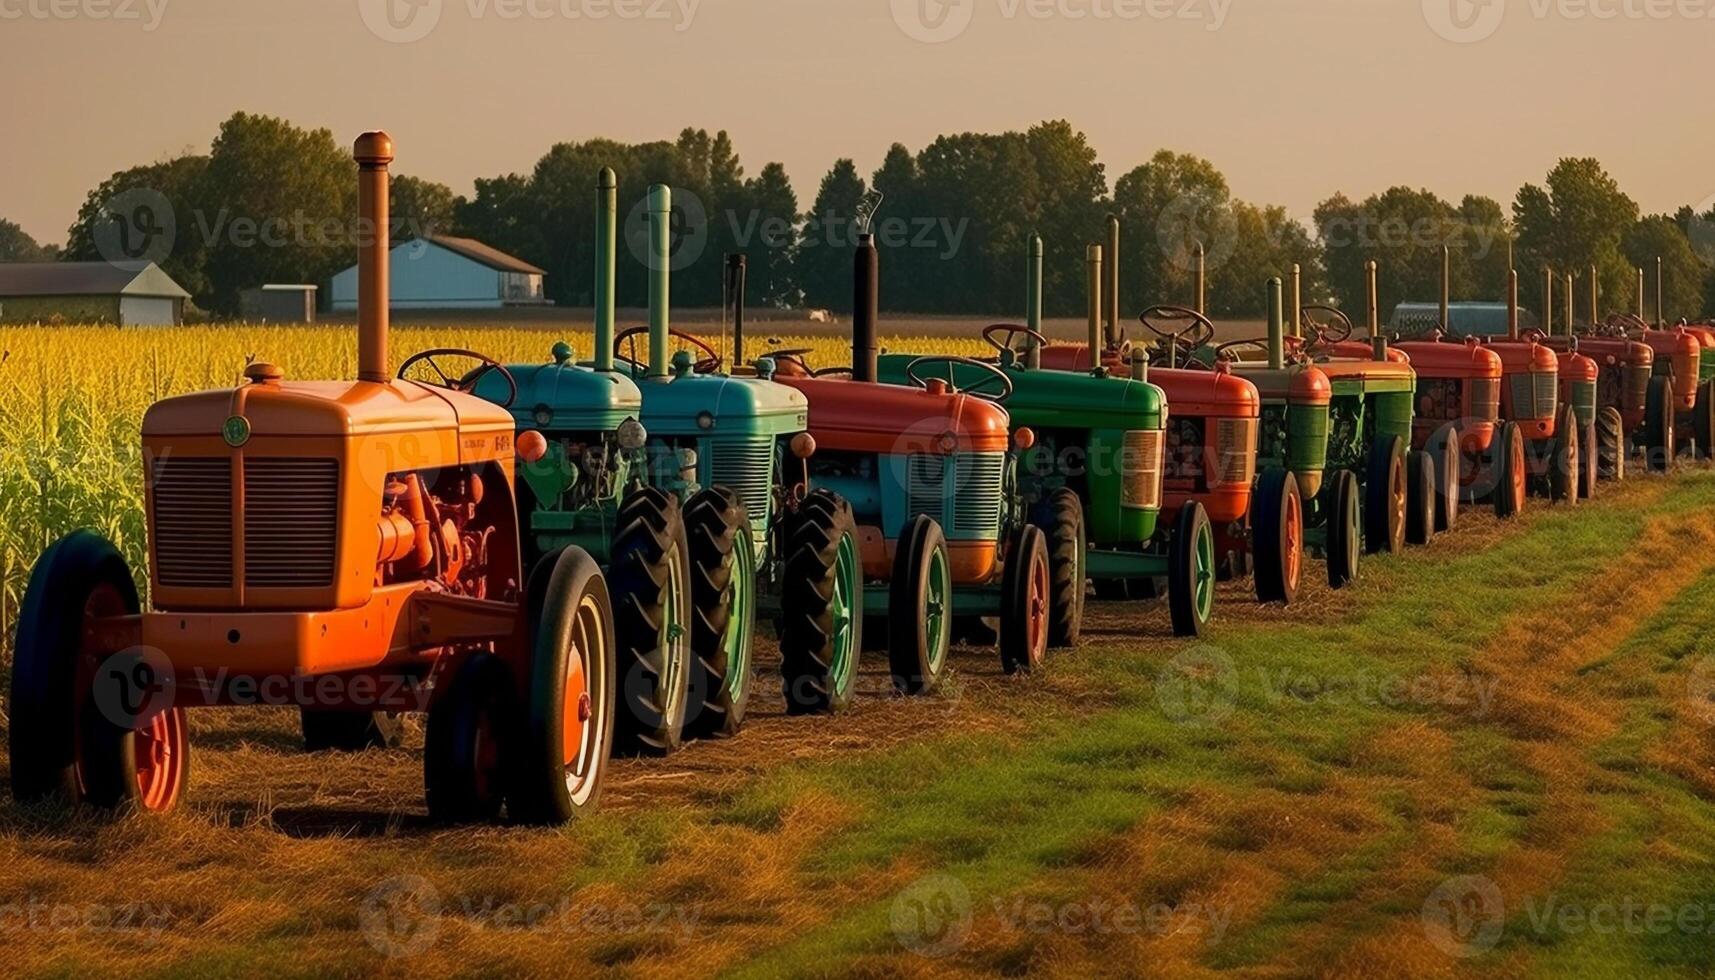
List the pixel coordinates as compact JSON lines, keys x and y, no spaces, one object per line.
{"x":1093,"y":478}
{"x":345,"y":546}
{"x":1622,"y":389}
{"x":931,"y":474}
{"x":1678,"y":381}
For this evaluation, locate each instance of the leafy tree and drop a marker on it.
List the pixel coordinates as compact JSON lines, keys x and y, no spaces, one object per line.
{"x":773,"y":214}
{"x":1267,"y":243}
{"x":1575,"y":221}
{"x":16,"y":245}
{"x":177,"y":183}
{"x":1659,"y":236}
{"x":419,"y":208}
{"x":825,"y":244}
{"x":1169,"y":206}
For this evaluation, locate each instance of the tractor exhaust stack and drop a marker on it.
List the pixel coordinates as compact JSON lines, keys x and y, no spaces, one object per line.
{"x":1595,"y":299}
{"x":1276,"y":326}
{"x":1111,"y":298}
{"x":1446,"y":290}
{"x":1548,"y":301}
{"x":737,"y":276}
{"x":1512,"y":304}
{"x":606,"y":241}
{"x":1093,"y":259}
{"x":1202,"y":280}
{"x":1372,"y":299}
{"x":1297,"y":304}
{"x":660,"y":276}
{"x":1033,"y":304}
{"x":1640,"y":293}
{"x":866,"y":305}
{"x":1660,"y":316}
{"x":373,"y":152}
{"x":1571,"y":286}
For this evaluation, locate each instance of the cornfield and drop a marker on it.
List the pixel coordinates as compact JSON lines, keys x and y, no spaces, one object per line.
{"x":72,"y":401}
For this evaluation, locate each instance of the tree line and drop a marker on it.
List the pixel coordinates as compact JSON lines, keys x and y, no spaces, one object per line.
{"x":271,"y":202}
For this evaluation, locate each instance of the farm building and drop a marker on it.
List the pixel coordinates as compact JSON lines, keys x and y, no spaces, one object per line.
{"x":441,"y":272}
{"x":279,"y":303}
{"x":130,"y":294}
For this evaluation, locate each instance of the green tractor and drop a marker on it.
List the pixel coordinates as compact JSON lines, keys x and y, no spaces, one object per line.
{"x":687,"y":485}
{"x":1093,"y":477}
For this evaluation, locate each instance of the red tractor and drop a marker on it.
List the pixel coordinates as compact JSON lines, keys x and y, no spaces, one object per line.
{"x":1677,"y":382}
{"x":346,"y":546}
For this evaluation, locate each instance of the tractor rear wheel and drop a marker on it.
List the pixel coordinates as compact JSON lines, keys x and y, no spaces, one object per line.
{"x":1703,"y":420}
{"x":1277,"y":536}
{"x":1191,"y":571}
{"x":562,"y":753}
{"x":723,"y":612}
{"x":821,"y":598}
{"x":1421,"y":496}
{"x":649,"y":578}
{"x":471,"y":735}
{"x":1345,"y":528}
{"x":1511,"y":475}
{"x":1610,"y":444}
{"x":350,"y":731}
{"x":920,"y":608}
{"x":1026,"y":586}
{"x":68,"y":739}
{"x":1563,"y":463}
{"x":1587,"y":454}
{"x":1657,"y":434}
{"x":1443,"y":448}
{"x":1385,"y":496}
{"x":1061,"y":518}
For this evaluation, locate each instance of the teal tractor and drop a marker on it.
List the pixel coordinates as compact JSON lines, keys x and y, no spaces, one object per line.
{"x":1092,"y":479}
{"x":688,"y":486}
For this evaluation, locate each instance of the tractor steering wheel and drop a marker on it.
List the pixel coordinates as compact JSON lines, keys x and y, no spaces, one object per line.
{"x":1222,"y":352}
{"x":1011,"y":331}
{"x":1534,"y":335}
{"x":709,"y":363}
{"x":1336,"y":329}
{"x":977,"y":390}
{"x":1198,"y":334}
{"x":467,"y":381}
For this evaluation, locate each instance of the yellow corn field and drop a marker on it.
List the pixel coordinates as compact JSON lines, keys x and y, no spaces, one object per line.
{"x":72,"y":400}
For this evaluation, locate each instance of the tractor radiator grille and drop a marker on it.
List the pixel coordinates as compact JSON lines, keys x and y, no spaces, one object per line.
{"x":746,"y":467}
{"x":1584,"y":401}
{"x":1485,"y":402}
{"x":1634,"y":387}
{"x":1235,"y":452}
{"x":977,"y":491}
{"x":926,"y":487}
{"x":192,"y":527}
{"x":1535,"y":394}
{"x":1140,"y":469}
{"x":291,"y":522}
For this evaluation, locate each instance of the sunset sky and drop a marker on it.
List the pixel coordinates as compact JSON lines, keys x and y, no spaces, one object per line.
{"x":1292,"y":99}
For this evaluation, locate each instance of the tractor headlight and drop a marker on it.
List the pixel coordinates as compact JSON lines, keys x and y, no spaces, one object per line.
{"x":687,"y":459}
{"x":632,"y":435}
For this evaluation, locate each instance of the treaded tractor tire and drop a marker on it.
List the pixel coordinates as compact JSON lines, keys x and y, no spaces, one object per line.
{"x":1191,"y":571}
{"x":723,"y":612}
{"x":469,"y":740}
{"x":1443,"y":448}
{"x":1507,"y":463}
{"x":649,"y":578}
{"x":1657,"y":434}
{"x":350,"y":731}
{"x":1610,"y":444}
{"x":1703,"y":420}
{"x":1026,"y":587}
{"x":1277,"y":536}
{"x":1587,"y":454}
{"x":1420,"y":506}
{"x":919,"y":624}
{"x":1385,"y":497}
{"x":818,"y":677}
{"x":1061,"y":518}
{"x":1562,"y":460}
{"x":1345,"y":528}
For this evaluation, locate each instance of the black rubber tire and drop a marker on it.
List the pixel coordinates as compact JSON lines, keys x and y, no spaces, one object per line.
{"x":1345,"y":528}
{"x":568,"y":599}
{"x":1610,"y":445}
{"x":1443,"y":448}
{"x":1563,"y":465}
{"x":1191,"y":527}
{"x":1385,"y":497}
{"x":1657,"y":438}
{"x":1421,"y":495}
{"x":464,"y":776}
{"x":1503,"y":460}
{"x":1061,"y":518}
{"x":1025,"y":621}
{"x":649,"y":549}
{"x":718,"y":525}
{"x":916,"y":668}
{"x":350,"y":731}
{"x":1273,"y":504}
{"x":1587,"y":454}
{"x":1703,"y":420}
{"x":808,"y":601}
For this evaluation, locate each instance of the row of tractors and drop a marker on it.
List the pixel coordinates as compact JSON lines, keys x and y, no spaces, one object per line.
{"x":564,"y":561}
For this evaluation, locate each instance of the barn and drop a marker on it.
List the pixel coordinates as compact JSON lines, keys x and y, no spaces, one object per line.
{"x":440,"y":272}
{"x":130,"y":294}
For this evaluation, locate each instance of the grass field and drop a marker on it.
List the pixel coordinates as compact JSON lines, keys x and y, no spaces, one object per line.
{"x":1493,"y":756}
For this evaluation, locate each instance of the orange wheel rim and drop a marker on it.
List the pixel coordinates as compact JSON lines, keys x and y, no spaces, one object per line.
{"x":1038,"y":629}
{"x":1518,"y":487}
{"x":1294,"y":541}
{"x":159,"y":748}
{"x":575,"y":707}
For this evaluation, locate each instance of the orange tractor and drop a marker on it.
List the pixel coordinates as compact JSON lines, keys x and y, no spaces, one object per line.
{"x":350,"y":547}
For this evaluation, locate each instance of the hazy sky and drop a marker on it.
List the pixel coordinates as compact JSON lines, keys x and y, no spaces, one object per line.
{"x":1293,"y":99}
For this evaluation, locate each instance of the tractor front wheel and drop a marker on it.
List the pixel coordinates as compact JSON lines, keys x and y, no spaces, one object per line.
{"x":1563,"y":465}
{"x":1027,"y":591}
{"x":821,"y":601}
{"x":1420,"y":494}
{"x":1277,"y":536}
{"x":1657,"y":434}
{"x":1345,"y":528}
{"x":1061,"y":518}
{"x":650,"y":581}
{"x":920,"y":608}
{"x":723,"y":612}
{"x":1191,"y":571}
{"x":1443,"y":448}
{"x":1610,"y":444}
{"x":68,"y":739}
{"x":1511,"y":475}
{"x":1587,"y":456}
{"x":1385,"y":497}
{"x":468,"y":742}
{"x":1703,"y":420}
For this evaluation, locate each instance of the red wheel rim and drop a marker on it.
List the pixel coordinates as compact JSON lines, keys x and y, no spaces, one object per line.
{"x":159,"y":747}
{"x":1294,"y":557}
{"x":1038,"y":629}
{"x":1516,"y":450}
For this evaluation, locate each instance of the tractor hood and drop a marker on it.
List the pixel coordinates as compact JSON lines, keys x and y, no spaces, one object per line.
{"x":1525,"y":355}
{"x":1295,"y":384}
{"x":1608,"y":351}
{"x":1370,"y":373}
{"x":855,"y":416}
{"x":565,"y":397}
{"x":703,"y":404}
{"x":310,"y":409}
{"x":1449,"y":359}
{"x":1048,"y":399}
{"x":1194,"y":393}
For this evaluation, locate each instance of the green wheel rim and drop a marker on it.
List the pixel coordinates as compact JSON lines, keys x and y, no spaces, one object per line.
{"x":1203,"y":576}
{"x":741,"y":624}
{"x":935,"y":607}
{"x":674,"y":656}
{"x":845,"y":593}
